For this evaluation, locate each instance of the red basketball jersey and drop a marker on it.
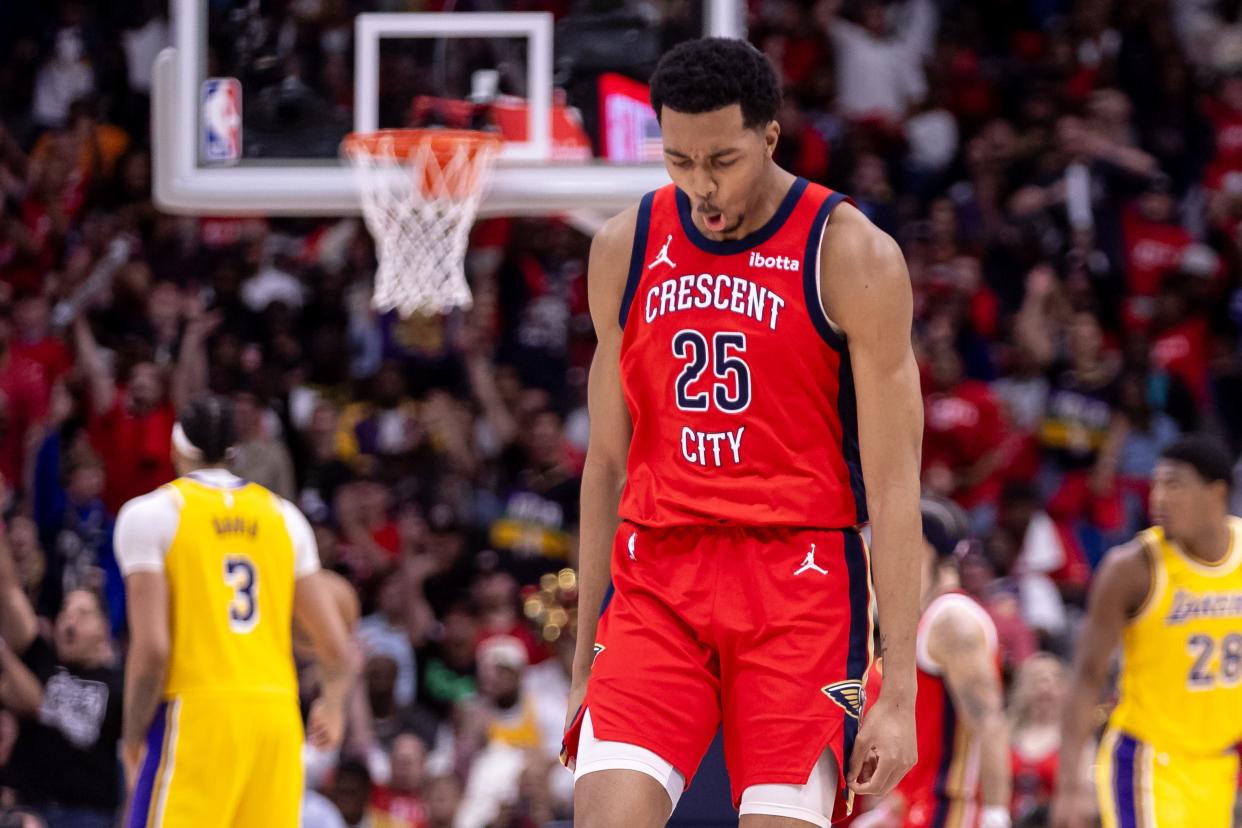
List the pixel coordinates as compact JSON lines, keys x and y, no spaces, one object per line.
{"x":738,"y":386}
{"x":942,"y":788}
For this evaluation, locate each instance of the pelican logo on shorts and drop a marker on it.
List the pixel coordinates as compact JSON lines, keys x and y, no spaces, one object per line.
{"x":663,"y":257}
{"x":596,"y":650}
{"x":633,"y":540}
{"x":849,"y":695}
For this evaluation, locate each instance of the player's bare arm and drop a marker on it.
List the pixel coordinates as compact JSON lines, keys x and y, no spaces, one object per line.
{"x":317,"y":612}
{"x":1120,"y":589}
{"x":958,"y":643}
{"x":603,"y":475}
{"x":147,"y":663}
{"x":866,"y":290}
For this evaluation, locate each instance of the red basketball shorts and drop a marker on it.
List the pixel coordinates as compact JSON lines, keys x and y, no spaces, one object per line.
{"x":766,"y":631}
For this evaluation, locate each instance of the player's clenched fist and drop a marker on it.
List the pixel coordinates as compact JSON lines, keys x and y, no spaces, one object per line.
{"x":884,"y":750}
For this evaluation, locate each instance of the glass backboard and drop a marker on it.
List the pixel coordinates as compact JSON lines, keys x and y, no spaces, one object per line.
{"x":252,"y":102}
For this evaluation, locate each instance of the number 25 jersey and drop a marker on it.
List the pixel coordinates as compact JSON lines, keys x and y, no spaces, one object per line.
{"x":739,"y":387}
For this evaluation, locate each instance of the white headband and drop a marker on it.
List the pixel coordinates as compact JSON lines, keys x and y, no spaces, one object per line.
{"x":183,"y":445}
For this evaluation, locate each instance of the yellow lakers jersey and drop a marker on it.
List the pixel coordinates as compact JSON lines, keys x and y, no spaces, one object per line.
{"x":230,"y":573}
{"x":1181,"y":675}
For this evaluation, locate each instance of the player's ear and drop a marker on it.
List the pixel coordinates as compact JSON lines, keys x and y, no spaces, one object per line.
{"x":771,"y":133}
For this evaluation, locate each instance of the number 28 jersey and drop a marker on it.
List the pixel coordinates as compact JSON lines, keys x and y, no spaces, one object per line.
{"x":231,"y":552}
{"x":1181,"y":656}
{"x":739,"y":388}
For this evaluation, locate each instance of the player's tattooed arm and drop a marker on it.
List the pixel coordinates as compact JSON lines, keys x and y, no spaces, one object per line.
{"x":958,"y":643}
{"x":866,"y":291}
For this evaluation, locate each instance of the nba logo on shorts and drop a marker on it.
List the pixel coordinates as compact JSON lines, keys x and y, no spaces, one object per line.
{"x":221,"y":120}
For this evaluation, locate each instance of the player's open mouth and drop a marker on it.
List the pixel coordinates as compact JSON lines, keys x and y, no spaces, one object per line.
{"x":715,"y":221}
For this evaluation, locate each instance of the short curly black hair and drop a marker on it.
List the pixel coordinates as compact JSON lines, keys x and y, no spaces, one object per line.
{"x":715,"y":72}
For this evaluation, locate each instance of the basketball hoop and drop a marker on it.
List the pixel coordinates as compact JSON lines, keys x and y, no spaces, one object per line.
{"x":420,"y":191}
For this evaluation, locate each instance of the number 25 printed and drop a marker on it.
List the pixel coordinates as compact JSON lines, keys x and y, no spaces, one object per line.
{"x":731,"y":397}
{"x":239,"y":573}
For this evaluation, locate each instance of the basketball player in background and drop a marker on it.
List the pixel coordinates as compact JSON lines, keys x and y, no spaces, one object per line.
{"x":753,"y":372}
{"x":217,"y":570}
{"x":963,"y":776}
{"x":1172,"y":597}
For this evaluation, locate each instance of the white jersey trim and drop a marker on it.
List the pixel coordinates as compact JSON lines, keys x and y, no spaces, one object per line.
{"x":146,"y":526}
{"x":952,"y":599}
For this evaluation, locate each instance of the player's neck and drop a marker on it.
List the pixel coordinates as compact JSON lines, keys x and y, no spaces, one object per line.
{"x":1211,"y":545}
{"x":768,"y":200}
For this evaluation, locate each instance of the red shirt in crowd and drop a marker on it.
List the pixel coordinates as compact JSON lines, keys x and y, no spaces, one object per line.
{"x":393,"y":809}
{"x":136,"y":449}
{"x":961,"y":427}
{"x":1182,"y":350}
{"x":1153,"y":251}
{"x":49,"y":352}
{"x":1034,"y":780}
{"x":23,"y":405}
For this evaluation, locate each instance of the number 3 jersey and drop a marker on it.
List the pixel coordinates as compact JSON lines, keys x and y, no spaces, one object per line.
{"x":739,"y":387}
{"x":1181,"y":676}
{"x":231,"y":552}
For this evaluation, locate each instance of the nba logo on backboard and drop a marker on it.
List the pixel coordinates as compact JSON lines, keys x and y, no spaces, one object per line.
{"x":221,"y":120}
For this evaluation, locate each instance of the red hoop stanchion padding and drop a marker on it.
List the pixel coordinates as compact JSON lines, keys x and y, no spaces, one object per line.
{"x":420,"y":191}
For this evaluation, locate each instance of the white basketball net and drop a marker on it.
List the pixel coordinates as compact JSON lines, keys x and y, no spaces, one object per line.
{"x":419,"y":205}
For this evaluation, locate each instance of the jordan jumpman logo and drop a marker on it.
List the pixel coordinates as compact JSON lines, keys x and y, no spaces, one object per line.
{"x":809,"y":563}
{"x":663,"y":257}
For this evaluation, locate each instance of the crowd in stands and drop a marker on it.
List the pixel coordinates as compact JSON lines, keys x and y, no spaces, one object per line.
{"x":1064,"y":177}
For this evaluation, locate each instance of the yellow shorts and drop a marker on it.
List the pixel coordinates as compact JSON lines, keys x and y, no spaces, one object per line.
{"x":231,"y":762}
{"x":1140,"y":786}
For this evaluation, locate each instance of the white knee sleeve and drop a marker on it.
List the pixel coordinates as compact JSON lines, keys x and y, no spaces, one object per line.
{"x":811,"y":802}
{"x":595,"y":755}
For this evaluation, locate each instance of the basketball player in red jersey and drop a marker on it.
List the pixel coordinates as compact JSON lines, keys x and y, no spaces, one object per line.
{"x":963,"y":777}
{"x":754,"y":399}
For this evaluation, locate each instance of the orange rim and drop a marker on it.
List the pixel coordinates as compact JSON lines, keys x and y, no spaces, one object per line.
{"x":402,"y":143}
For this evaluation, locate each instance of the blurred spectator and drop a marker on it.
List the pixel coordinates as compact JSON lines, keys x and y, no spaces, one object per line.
{"x":34,"y":340}
{"x":446,"y":665}
{"x":387,"y":632}
{"x":24,"y":395}
{"x":443,"y":800}
{"x":540,"y":494}
{"x":879,"y":68}
{"x":260,"y":456}
{"x":1035,"y":705}
{"x":130,"y":427}
{"x":351,"y":791}
{"x":75,"y":526}
{"x":65,"y":76}
{"x":963,"y":440}
{"x":66,"y":691}
{"x":400,"y":803}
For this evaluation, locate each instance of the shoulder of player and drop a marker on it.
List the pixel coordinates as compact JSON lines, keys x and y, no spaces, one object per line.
{"x":956,"y":629}
{"x":159,"y":502}
{"x":862,"y":267}
{"x":609,"y":266}
{"x":1125,"y":576}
